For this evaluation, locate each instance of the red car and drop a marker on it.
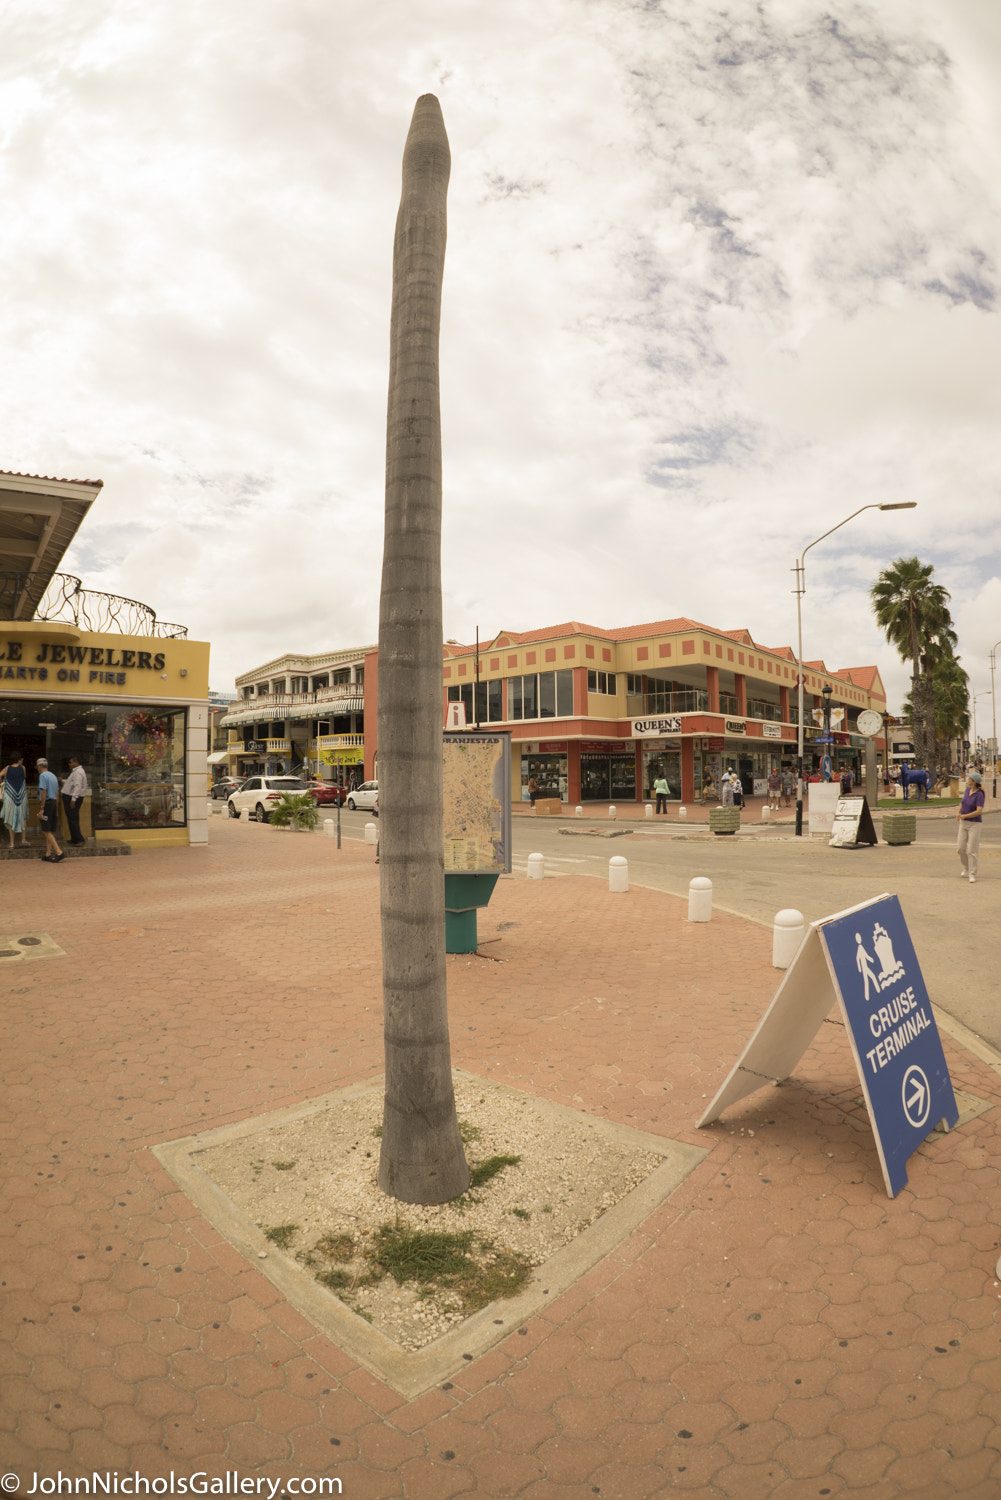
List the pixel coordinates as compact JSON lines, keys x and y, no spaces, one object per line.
{"x":326,"y":793}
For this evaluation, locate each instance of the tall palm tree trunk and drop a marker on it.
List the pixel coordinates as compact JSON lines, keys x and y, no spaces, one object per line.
{"x":421,"y":1160}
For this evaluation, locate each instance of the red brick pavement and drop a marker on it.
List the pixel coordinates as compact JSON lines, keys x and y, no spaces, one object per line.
{"x":778,"y":1328}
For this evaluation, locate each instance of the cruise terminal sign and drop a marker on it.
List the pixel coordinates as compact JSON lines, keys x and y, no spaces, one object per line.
{"x":862,"y":959}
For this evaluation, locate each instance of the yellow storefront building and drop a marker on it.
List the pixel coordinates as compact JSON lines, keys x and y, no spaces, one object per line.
{"x":97,"y":678}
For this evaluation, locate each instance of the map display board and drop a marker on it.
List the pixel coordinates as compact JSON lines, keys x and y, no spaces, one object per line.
{"x":477,"y":803}
{"x":863,"y":960}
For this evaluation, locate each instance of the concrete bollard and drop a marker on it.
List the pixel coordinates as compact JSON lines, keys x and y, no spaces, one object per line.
{"x":612,"y":812}
{"x":618,"y":873}
{"x":536,"y":866}
{"x":328,"y":827}
{"x":787,"y":934}
{"x":766,"y":814}
{"x":649,"y":810}
{"x":700,"y":899}
{"x":578,"y":812}
{"x":682,"y":811}
{"x":371,"y":833}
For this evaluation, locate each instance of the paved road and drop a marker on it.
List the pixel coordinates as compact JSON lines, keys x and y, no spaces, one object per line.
{"x":952,"y":923}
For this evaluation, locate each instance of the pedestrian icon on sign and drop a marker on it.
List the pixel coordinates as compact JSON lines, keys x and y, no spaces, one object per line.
{"x":864,"y":962}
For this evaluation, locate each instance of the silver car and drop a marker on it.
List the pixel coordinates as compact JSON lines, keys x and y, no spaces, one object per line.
{"x":258,"y":795}
{"x":364,"y":796}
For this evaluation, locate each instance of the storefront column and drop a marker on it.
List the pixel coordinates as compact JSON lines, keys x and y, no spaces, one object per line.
{"x":196,"y":788}
{"x":712,"y":688}
{"x":740,"y":693}
{"x":687,"y":771}
{"x":573,"y":772}
{"x":784,"y":704}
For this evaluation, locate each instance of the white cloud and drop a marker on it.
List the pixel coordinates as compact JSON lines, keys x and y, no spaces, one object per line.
{"x":717,"y":276}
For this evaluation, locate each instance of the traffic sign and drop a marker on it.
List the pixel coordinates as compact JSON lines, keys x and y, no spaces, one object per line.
{"x":864,"y":959}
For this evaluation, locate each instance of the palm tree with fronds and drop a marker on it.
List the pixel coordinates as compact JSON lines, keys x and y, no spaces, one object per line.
{"x":952,"y":705}
{"x":913,"y":614}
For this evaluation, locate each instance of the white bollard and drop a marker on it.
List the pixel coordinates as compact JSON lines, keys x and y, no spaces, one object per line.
{"x":700,"y":899}
{"x":766,"y":814}
{"x":328,"y":827}
{"x":649,"y":809}
{"x":618,"y":873}
{"x":611,"y":812}
{"x":536,"y":866}
{"x":787,"y":934}
{"x":682,"y":811}
{"x":371,"y":833}
{"x":578,"y":812}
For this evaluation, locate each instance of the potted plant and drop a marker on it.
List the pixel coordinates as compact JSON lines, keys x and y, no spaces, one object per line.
{"x":295,"y":812}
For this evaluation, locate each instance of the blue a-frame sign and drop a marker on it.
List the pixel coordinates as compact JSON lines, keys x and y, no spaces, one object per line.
{"x":864,"y":959}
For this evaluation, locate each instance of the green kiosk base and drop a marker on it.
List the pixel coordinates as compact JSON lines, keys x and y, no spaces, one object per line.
{"x":463,"y":894}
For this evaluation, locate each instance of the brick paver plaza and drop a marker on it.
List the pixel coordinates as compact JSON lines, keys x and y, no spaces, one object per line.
{"x":778,"y":1328}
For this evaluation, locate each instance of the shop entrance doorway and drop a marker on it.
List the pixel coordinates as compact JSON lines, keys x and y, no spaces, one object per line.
{"x":608,"y":778}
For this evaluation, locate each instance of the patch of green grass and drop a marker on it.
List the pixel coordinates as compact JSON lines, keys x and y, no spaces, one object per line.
{"x":377,"y":1132}
{"x":283,"y":1166}
{"x":336,"y":1279}
{"x":450,"y":1262}
{"x":281,"y":1235}
{"x":340,"y":1247}
{"x":521,"y":1213}
{"x":547,"y":1208}
{"x":484,"y":1170}
{"x":469,"y":1133}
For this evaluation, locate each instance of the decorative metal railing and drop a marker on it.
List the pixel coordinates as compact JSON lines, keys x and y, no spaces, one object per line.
{"x":61,"y":597}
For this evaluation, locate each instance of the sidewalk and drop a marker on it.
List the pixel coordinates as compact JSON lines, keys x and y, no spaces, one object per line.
{"x":778,"y":1328}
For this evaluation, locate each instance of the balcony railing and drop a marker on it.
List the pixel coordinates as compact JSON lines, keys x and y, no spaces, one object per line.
{"x":757,"y":708}
{"x":328,"y":695}
{"x":59,"y":597}
{"x":646,"y":705}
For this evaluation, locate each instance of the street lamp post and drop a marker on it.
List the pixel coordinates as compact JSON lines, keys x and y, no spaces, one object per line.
{"x":826,"y":692}
{"x":994,"y":723}
{"x":800,"y":589}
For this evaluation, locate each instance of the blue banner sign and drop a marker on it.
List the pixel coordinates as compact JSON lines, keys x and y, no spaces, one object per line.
{"x":892,"y":1030}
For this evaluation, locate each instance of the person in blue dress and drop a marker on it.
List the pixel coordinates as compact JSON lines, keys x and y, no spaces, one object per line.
{"x":14,"y":805}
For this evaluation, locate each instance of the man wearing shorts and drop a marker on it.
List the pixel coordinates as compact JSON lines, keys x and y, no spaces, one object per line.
{"x":48,"y":807}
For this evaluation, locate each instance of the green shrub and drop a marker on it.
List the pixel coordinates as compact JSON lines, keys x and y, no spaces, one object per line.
{"x":294,"y":810}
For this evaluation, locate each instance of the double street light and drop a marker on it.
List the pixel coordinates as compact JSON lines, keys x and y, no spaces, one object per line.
{"x":799,"y":591}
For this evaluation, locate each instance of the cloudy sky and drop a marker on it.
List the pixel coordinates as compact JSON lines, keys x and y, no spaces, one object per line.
{"x":718,"y":275}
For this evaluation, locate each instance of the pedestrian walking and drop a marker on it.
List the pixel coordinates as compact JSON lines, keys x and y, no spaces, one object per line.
{"x":727,"y":797}
{"x":738,"y":790}
{"x":533,"y":791}
{"x":74,"y":791}
{"x":661,"y":791}
{"x":971,"y":823}
{"x":48,"y":811}
{"x":774,"y":789}
{"x":788,"y":788}
{"x":14,"y":799}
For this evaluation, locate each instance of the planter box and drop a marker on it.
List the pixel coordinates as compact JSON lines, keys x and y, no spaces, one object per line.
{"x":724,"y":819}
{"x":899,"y":828}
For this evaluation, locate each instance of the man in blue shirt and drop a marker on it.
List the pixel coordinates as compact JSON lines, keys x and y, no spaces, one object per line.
{"x":48,"y":807}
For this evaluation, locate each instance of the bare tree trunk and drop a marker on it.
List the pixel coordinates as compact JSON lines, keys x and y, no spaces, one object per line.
{"x":422,"y":1159}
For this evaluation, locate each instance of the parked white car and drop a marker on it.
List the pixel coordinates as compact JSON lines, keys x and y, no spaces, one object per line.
{"x":258,"y":795}
{"x":364,"y":796}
